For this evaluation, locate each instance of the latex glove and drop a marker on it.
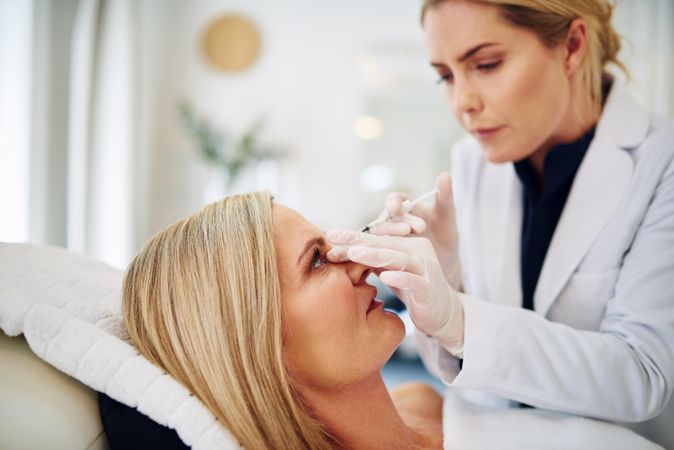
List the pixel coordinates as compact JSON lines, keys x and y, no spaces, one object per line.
{"x":437,"y":222}
{"x":410,"y":267}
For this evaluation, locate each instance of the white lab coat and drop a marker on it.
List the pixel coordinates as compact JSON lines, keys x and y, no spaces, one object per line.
{"x":600,"y":342}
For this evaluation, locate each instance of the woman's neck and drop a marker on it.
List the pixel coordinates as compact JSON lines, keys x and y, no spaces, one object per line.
{"x":362,"y":416}
{"x":577,"y":121}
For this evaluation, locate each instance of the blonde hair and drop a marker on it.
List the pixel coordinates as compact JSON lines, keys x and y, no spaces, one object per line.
{"x":550,"y":19}
{"x":202,"y":301}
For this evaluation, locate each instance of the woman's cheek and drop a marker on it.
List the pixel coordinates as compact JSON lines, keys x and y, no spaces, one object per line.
{"x":343,"y":292}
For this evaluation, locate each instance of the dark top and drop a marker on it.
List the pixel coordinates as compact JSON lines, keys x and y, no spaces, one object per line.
{"x":543,"y":205}
{"x":128,"y":429}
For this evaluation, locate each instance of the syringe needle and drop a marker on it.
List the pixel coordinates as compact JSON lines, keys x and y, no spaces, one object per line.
{"x":406,"y":207}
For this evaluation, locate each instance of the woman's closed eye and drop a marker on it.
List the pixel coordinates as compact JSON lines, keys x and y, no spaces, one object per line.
{"x":488,"y":67}
{"x":485,"y":67}
{"x":445,"y":78}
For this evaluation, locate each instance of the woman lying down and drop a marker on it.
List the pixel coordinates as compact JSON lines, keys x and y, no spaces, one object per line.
{"x":240,"y":305}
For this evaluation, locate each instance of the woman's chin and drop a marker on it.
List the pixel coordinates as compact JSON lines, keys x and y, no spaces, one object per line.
{"x":496,"y":155}
{"x":397,"y":329}
{"x":499,"y":154}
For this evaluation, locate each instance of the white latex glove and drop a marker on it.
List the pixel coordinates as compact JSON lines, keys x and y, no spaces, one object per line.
{"x":437,"y":222}
{"x":410,"y":267}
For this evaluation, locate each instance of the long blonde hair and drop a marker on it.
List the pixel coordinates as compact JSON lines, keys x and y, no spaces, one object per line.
{"x":202,"y":300}
{"x":549,"y":20}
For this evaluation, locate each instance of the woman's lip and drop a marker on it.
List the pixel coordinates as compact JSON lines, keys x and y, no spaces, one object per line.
{"x":484,"y":133}
{"x":374,"y":304}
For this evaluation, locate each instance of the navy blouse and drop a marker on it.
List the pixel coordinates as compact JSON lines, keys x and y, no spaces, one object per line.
{"x":543,"y":205}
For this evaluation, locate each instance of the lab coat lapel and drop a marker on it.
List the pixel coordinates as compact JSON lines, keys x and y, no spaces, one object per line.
{"x":501,"y":234}
{"x":510,"y":286}
{"x":600,"y":182}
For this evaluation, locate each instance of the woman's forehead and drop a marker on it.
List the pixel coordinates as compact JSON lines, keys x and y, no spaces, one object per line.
{"x":291,"y":230}
{"x":466,"y":21}
{"x":284,"y":216}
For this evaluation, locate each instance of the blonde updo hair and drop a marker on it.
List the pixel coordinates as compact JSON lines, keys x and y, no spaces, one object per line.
{"x":202,"y":300}
{"x":550,"y":19}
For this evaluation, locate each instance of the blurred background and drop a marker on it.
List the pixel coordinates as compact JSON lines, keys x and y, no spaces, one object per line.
{"x":118,"y":117}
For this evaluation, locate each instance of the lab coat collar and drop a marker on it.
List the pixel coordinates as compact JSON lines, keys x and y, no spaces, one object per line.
{"x":601,"y":180}
{"x":624,"y":122}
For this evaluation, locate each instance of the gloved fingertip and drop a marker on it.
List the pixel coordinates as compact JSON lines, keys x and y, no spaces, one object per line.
{"x":416,"y":224}
{"x":392,"y":229}
{"x":444,"y":186}
{"x":443,"y":181}
{"x":393,"y":202}
{"x":400,"y":228}
{"x":354,"y":253}
{"x":337,"y":254}
{"x":338,"y":235}
{"x":388,"y":277}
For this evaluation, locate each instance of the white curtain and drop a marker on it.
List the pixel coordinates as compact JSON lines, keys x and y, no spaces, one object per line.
{"x":82,"y":139}
{"x":69,"y":159}
{"x":102,"y":130}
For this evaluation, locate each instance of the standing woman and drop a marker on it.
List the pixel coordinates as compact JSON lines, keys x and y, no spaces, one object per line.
{"x":563,"y":295}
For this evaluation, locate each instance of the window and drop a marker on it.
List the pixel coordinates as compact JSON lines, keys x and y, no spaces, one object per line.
{"x":15,"y":100}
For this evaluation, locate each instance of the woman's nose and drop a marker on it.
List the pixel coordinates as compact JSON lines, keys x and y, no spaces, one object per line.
{"x":464,"y":99}
{"x":357,"y":272}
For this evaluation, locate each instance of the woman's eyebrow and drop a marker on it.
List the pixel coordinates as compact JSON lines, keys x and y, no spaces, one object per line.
{"x":317,"y":241}
{"x":466,"y":54}
{"x":474,"y":50}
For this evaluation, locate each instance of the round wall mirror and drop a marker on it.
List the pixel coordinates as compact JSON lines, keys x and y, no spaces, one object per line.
{"x":231,"y":43}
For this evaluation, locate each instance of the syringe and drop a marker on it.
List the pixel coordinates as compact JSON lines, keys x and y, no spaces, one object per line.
{"x":405,"y":207}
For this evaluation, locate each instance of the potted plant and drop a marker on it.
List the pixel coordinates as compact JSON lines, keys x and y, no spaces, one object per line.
{"x":228,"y":154}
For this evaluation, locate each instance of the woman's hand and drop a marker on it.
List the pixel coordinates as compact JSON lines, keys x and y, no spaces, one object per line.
{"x":436,"y":222}
{"x":410,"y":267}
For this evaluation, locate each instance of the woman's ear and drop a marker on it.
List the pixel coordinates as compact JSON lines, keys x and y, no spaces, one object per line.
{"x":575,"y":46}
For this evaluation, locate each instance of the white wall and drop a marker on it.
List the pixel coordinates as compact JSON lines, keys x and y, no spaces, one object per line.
{"x":309,"y":85}
{"x":306,"y":82}
{"x":647,"y":28}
